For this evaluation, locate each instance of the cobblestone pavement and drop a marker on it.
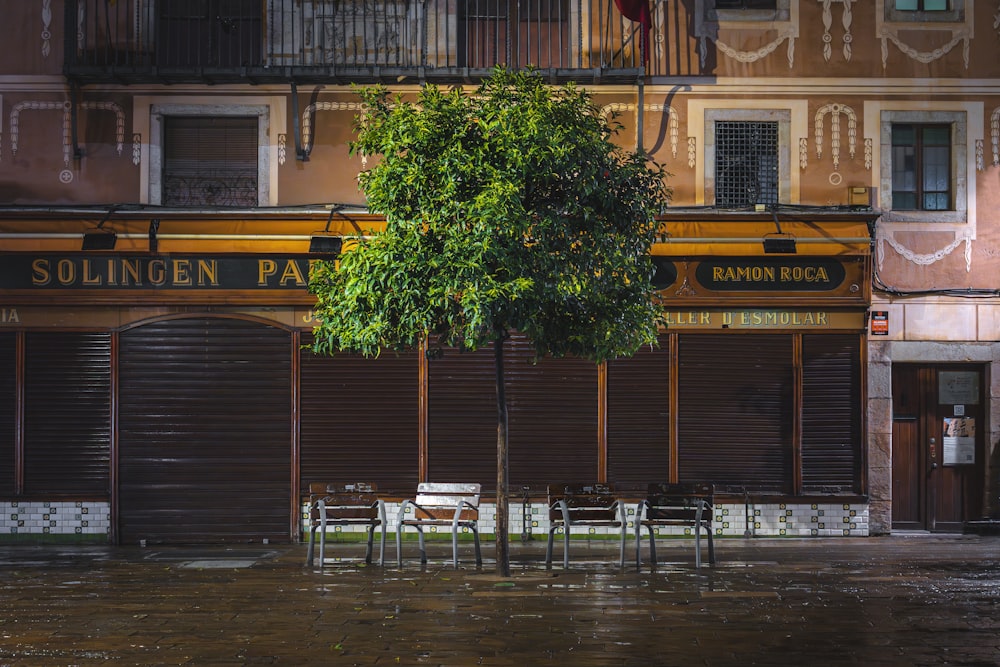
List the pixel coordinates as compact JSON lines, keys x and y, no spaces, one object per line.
{"x":900,"y":600}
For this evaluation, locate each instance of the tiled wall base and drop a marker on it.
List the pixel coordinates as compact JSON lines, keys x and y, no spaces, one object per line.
{"x":735,"y":520}
{"x":92,"y":520}
{"x":70,"y":521}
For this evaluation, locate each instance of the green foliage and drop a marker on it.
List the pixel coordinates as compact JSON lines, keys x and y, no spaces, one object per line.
{"x":509,"y":208}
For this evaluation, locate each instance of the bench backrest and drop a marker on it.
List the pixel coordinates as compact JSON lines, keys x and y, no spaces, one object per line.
{"x":584,"y":502}
{"x":679,"y":502}
{"x":358,"y":500}
{"x":438,"y":500}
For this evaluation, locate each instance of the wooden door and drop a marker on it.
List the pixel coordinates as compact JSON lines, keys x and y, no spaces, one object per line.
{"x":938,"y":446}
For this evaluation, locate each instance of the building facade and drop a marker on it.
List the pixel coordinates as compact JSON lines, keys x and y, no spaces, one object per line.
{"x":827,"y":266}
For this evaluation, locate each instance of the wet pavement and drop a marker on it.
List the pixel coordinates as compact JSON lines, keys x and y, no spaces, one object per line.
{"x":900,"y":600}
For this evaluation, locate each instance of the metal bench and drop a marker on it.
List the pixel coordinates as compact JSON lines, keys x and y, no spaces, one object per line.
{"x":688,"y":505}
{"x":583,"y":505}
{"x":344,"y":505}
{"x":437,"y":504}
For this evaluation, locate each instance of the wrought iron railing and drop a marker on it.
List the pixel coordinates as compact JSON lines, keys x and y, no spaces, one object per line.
{"x":173,"y":41}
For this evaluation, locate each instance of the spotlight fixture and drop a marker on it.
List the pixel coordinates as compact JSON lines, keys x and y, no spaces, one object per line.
{"x":778,"y":242}
{"x":99,"y":239}
{"x":783,"y":244}
{"x":325,"y":244}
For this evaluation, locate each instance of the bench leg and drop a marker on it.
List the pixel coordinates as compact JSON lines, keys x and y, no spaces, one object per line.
{"x":371,"y":541}
{"x":322,"y":544}
{"x":454,"y":548}
{"x":310,"y":552}
{"x":399,"y":545}
{"x":638,"y":544}
{"x":621,"y":555}
{"x":420,"y":541}
{"x":479,"y":553}
{"x":711,"y":546}
{"x":566,"y":548}
{"x":381,"y":551}
{"x":697,"y":547}
{"x":548,"y":550}
{"x":652,"y":547}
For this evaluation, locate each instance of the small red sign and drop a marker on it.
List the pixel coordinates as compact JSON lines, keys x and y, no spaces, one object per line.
{"x":880,"y":323}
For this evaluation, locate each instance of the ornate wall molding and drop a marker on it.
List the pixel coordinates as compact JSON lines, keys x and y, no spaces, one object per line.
{"x":891,"y":31}
{"x":15,"y":122}
{"x":673,"y":125}
{"x":923,"y":259}
{"x":846,"y":19}
{"x":310,"y":112}
{"x":995,"y":135}
{"x":137,"y":149}
{"x":835,"y":110}
{"x":46,"y":28}
{"x":783,"y":23}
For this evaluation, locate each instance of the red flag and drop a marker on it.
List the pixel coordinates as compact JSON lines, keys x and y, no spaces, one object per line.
{"x":638,"y":11}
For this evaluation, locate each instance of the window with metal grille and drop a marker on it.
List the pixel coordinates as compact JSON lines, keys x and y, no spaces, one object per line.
{"x":746,"y":163}
{"x":921,"y":167}
{"x":210,"y":161}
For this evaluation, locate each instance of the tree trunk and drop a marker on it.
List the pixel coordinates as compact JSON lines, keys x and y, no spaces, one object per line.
{"x":503,"y":495}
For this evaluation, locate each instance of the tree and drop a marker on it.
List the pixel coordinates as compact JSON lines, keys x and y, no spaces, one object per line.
{"x":507,"y":208}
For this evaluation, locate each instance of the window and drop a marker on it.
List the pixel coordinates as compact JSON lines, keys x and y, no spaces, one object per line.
{"x":921,"y":167}
{"x":209,"y":33}
{"x":921,"y":5}
{"x":210,"y":161}
{"x":746,"y":4}
{"x":768,"y":12}
{"x":527,"y":33}
{"x":922,"y":11}
{"x":746,"y":163}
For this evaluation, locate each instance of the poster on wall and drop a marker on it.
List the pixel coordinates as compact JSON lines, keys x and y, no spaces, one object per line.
{"x":959,"y":441}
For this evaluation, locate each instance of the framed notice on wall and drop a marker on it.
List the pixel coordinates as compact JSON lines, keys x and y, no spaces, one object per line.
{"x":959,"y":441}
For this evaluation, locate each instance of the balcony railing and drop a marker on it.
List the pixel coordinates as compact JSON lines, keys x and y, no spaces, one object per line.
{"x":330,"y":41}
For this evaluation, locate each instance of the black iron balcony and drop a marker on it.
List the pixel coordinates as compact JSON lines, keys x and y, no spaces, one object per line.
{"x":339,"y":41}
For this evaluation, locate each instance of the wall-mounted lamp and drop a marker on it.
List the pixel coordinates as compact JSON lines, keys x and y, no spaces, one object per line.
{"x":154,"y":244}
{"x":778,"y":242}
{"x":99,"y":239}
{"x":324,"y":243}
{"x":785,"y":243}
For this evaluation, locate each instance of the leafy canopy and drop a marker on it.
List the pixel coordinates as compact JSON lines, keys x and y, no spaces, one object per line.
{"x":509,"y":208}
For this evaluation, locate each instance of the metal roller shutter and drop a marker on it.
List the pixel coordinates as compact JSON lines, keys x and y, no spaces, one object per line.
{"x":462,"y":418}
{"x":735,"y":416}
{"x":8,"y":411}
{"x":67,"y":413}
{"x":205,"y":432}
{"x":358,"y":419}
{"x":831,"y":413}
{"x":639,"y":416}
{"x":552,"y":418}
